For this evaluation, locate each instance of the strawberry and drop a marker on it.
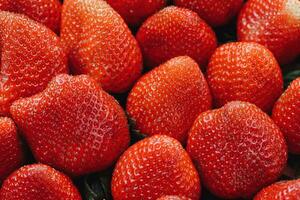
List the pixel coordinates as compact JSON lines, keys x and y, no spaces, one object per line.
{"x":31,"y":55}
{"x":214,"y":12}
{"x":238,"y":150}
{"x":284,"y":190}
{"x":11,"y":151}
{"x":38,"y":181}
{"x":134,"y":12}
{"x":153,"y":167}
{"x":168,"y":99}
{"x":44,"y":11}
{"x":100,"y":44}
{"x":73,"y":125}
{"x":247,"y":72}
{"x":274,"y":24}
{"x":174,"y":32}
{"x":169,"y":197}
{"x":286,"y":114}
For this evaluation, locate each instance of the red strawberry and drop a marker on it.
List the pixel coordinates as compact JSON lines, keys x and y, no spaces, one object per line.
{"x":31,"y":55}
{"x":44,"y":11}
{"x":100,"y":44}
{"x":273,"y":23}
{"x":175,"y":32}
{"x":11,"y":152}
{"x":173,"y":198}
{"x":134,"y":12}
{"x":73,"y":125}
{"x":153,"y":167}
{"x":38,"y":181}
{"x":238,"y":150}
{"x":284,"y":190}
{"x":247,"y":72}
{"x":168,"y":99}
{"x":286,"y":114}
{"x":214,"y":12}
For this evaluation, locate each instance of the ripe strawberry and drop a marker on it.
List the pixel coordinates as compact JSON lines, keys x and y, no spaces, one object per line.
{"x":214,"y":12}
{"x":284,"y":190}
{"x":169,"y":197}
{"x":44,"y":11}
{"x":168,"y":99}
{"x":73,"y":125}
{"x":247,"y":72}
{"x":274,"y":24}
{"x":31,"y":55}
{"x":286,"y":114}
{"x":38,"y":181}
{"x":153,"y":167}
{"x":134,"y":12}
{"x":173,"y":32}
{"x":100,"y":44}
{"x":11,"y":153}
{"x":238,"y":150}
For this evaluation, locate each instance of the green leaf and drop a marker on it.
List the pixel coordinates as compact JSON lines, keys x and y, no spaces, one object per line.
{"x":290,"y":76}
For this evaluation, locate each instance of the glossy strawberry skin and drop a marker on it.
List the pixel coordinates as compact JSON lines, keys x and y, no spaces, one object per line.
{"x":31,"y":55}
{"x":246,"y":72}
{"x":73,"y":125}
{"x":238,"y":150}
{"x":286,"y":114}
{"x":284,"y":190}
{"x":153,"y":167}
{"x":134,"y":12}
{"x":168,"y":99}
{"x":100,"y":44}
{"x":169,"y":197}
{"x":38,"y":181}
{"x":46,"y":12}
{"x":214,"y":12}
{"x":174,"y":32}
{"x":274,"y":24}
{"x":11,"y":150}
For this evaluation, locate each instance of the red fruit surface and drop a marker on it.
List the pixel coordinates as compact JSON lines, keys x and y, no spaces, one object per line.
{"x":46,"y":12}
{"x":73,"y":125}
{"x":100,"y":44}
{"x":31,"y":55}
{"x":274,"y":24}
{"x":246,"y":72}
{"x":174,"y":32}
{"x":286,"y":114}
{"x":38,"y":181}
{"x":153,"y":167}
{"x":169,"y":98}
{"x":11,"y":151}
{"x":169,"y":197}
{"x":134,"y":12}
{"x":284,"y":190}
{"x":214,"y":12}
{"x":238,"y":150}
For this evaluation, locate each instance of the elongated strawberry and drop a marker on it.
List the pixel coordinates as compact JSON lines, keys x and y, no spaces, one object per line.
{"x":169,"y":197}
{"x":153,"y":167}
{"x":31,"y":55}
{"x":168,"y":99}
{"x":44,"y":11}
{"x":274,"y":24}
{"x":11,"y":151}
{"x":73,"y":125}
{"x":238,"y":150}
{"x":174,"y":32}
{"x":246,"y":72}
{"x":100,"y":44}
{"x":286,"y":114}
{"x":38,"y":181}
{"x":134,"y":12}
{"x":284,"y":190}
{"x":214,"y":12}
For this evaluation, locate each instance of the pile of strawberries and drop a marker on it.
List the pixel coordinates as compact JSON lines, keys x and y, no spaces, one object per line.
{"x":212,"y":118}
